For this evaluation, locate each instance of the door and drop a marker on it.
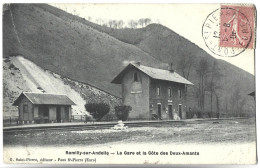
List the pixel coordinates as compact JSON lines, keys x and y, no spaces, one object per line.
{"x":58,"y":114}
{"x":43,"y":113}
{"x":159,"y":111}
{"x":170,"y":112}
{"x":25,"y":112}
{"x":66,"y":117}
{"x":180,"y":111}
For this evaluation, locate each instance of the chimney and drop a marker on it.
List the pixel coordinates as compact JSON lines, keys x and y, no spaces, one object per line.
{"x":138,"y":63}
{"x":170,"y":67}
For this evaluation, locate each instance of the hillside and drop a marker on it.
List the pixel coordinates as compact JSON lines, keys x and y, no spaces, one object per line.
{"x":67,"y":47}
{"x":22,"y":75}
{"x":167,"y":46}
{"x":76,"y":48}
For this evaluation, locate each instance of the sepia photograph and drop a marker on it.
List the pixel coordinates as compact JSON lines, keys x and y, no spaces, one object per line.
{"x":129,"y":83}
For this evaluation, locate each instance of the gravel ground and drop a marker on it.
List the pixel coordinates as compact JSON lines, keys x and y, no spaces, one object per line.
{"x":206,"y":132}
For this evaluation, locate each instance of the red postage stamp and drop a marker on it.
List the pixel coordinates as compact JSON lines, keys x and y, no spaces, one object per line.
{"x":237,"y":26}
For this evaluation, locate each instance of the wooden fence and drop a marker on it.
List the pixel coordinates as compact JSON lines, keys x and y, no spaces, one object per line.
{"x":7,"y":121}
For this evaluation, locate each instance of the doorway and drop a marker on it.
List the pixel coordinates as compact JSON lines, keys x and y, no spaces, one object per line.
{"x":66,"y":118}
{"x":180,"y":111}
{"x":170,"y":111}
{"x":58,"y":114}
{"x":159,"y":111}
{"x":43,"y":113}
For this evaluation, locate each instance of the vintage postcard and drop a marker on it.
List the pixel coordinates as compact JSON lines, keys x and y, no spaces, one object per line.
{"x":129,"y":83}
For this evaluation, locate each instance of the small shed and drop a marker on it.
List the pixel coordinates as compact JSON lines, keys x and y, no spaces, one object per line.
{"x":43,"y":108}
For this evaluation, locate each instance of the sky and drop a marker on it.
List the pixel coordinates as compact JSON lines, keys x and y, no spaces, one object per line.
{"x":184,"y":19}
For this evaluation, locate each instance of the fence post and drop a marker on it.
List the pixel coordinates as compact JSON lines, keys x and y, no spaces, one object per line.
{"x":10,"y":120}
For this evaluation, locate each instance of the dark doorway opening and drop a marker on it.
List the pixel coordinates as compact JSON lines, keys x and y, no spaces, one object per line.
{"x":170,"y":112}
{"x":58,"y":113}
{"x":44,"y":113}
{"x":180,"y":111}
{"x":66,"y":109}
{"x":160,"y":111}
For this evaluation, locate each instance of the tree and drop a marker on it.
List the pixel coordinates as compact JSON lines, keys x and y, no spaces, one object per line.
{"x":217,"y":103}
{"x":184,"y":65}
{"x":237,"y":101}
{"x":122,"y":112}
{"x":213,"y":85}
{"x":75,"y":12}
{"x":120,"y":24}
{"x":132,"y":24}
{"x":147,"y":21}
{"x":99,"y":21}
{"x":241,"y":106}
{"x":110,"y":23}
{"x":202,"y":70}
{"x":114,"y":24}
{"x":97,"y":110}
{"x":141,"y":22}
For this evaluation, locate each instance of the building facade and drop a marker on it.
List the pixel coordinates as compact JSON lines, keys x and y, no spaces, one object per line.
{"x":43,"y":108}
{"x":153,"y":93}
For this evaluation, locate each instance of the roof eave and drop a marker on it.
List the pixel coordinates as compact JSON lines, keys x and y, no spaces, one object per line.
{"x":24,"y":94}
{"x":55,"y":104}
{"x":190,"y":84}
{"x":118,"y":78}
{"x":15,"y":102}
{"x":172,"y":81}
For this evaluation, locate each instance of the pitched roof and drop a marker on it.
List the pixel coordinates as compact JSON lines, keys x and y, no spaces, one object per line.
{"x":45,"y":98}
{"x":154,"y":73}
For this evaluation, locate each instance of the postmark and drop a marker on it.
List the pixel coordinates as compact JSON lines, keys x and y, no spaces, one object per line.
{"x":229,"y":31}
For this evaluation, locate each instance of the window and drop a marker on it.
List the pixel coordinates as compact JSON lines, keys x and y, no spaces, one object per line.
{"x":169,"y":92}
{"x":135,"y":77}
{"x":158,"y":90}
{"x":180,"y":93}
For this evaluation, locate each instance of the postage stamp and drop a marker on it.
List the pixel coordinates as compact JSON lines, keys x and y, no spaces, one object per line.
{"x":237,"y":26}
{"x":230,"y":30}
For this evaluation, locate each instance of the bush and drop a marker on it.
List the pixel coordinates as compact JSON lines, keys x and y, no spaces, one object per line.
{"x":109,"y":117}
{"x":122,"y":112}
{"x":7,"y":60}
{"x":11,"y":66}
{"x":88,"y":118}
{"x":97,"y":110}
{"x":189,"y":114}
